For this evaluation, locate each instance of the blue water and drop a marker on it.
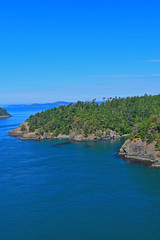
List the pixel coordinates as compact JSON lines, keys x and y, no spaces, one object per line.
{"x":79,"y":191}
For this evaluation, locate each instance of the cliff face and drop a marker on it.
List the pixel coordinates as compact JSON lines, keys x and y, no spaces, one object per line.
{"x":140,"y":151}
{"x":23,"y":132}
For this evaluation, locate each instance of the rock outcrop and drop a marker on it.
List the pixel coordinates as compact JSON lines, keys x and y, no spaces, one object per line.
{"x":23,"y":132}
{"x":138,"y":150}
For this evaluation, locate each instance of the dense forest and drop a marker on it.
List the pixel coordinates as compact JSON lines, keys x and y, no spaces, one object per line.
{"x":137,"y":116}
{"x":3,"y":112}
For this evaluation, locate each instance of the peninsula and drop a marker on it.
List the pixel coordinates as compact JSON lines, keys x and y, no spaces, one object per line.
{"x":135,"y":117}
{"x":4,"y":114}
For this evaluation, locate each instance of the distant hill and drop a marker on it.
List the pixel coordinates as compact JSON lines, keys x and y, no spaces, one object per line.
{"x":55,"y":104}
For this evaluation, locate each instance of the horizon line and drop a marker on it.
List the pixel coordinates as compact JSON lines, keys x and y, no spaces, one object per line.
{"x":125,"y":76}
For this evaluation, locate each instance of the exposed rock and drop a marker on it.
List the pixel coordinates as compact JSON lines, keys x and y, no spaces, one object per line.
{"x":18,"y":132}
{"x":23,"y":132}
{"x":141,"y":151}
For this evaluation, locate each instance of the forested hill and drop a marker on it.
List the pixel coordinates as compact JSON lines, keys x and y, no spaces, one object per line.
{"x":4,"y":113}
{"x":138,"y":116}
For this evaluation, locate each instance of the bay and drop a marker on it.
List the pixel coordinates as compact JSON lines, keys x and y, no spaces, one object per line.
{"x":53,"y":190}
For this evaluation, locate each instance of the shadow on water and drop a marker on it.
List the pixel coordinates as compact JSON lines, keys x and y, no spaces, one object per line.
{"x":89,"y":146}
{"x":72,"y":142}
{"x":62,"y":144}
{"x":135,"y":161}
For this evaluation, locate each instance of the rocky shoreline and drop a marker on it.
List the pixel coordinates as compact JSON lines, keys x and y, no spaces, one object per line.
{"x":5,"y":116}
{"x":140,"y":151}
{"x":23,"y":132}
{"x":132,"y":150}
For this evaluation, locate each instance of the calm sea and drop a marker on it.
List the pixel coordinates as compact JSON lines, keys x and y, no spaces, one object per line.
{"x":76,"y":191}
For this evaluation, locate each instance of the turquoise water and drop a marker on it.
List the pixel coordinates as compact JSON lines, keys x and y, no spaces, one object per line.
{"x":77,"y":191}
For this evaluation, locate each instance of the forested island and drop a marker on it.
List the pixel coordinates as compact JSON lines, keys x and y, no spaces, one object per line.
{"x":135,"y":117}
{"x":4,"y":113}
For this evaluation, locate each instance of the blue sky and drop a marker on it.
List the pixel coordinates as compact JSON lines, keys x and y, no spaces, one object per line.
{"x":69,"y":50}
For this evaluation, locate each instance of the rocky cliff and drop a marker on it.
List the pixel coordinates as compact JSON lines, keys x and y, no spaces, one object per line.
{"x":138,"y":150}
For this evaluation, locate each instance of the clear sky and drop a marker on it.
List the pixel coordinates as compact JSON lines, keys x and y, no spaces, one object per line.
{"x":70,"y":50}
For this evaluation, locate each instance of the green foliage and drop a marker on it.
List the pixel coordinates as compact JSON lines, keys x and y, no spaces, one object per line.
{"x":158,"y":145}
{"x":23,"y":128}
{"x":3,"y":112}
{"x":148,"y":129}
{"x":137,"y":116}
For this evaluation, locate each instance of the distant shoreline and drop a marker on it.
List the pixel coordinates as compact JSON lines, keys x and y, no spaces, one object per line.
{"x":5,"y":116}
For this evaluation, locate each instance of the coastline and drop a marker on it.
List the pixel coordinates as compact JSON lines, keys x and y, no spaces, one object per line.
{"x":141,"y":152}
{"x":137,"y":151}
{"x":74,"y":136}
{"x":5,"y":116}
